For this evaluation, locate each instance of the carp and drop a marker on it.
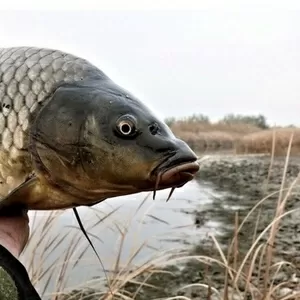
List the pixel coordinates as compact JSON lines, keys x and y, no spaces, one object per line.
{"x":70,"y":136}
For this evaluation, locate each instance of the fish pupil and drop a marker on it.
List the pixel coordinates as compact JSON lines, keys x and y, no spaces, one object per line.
{"x":125,"y":128}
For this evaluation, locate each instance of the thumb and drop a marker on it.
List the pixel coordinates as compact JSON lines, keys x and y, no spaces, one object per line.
{"x":14,"y":233}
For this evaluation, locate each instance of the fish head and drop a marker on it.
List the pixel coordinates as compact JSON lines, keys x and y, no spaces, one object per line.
{"x":99,"y":141}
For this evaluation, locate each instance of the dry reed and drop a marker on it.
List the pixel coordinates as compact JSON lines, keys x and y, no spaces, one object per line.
{"x":236,"y":137}
{"x":261,"y":142}
{"x":205,"y":136}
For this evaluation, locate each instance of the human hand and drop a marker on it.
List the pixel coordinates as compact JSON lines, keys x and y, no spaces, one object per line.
{"x":14,"y":232}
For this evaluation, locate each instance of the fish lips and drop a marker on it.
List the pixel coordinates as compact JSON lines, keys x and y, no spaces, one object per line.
{"x":175,"y":171}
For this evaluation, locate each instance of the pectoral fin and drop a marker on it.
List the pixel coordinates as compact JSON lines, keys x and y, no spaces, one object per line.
{"x":37,"y":194}
{"x":25,"y":196}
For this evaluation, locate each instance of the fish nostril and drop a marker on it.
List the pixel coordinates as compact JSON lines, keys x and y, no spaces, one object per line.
{"x":153,"y":128}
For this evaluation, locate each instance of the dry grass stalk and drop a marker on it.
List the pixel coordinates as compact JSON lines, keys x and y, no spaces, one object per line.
{"x":279,"y":211}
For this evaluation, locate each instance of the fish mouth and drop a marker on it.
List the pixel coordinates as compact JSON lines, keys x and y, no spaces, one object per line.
{"x":174,"y":172}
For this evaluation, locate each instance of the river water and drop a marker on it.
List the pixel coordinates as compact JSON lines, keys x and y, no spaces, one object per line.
{"x":146,"y":224}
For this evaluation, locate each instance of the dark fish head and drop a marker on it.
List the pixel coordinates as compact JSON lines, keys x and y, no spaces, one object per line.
{"x":98,"y":141}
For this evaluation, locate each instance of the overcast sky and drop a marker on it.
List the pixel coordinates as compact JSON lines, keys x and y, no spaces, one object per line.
{"x":181,"y":62}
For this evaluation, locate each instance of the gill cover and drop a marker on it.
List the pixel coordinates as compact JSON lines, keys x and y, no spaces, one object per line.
{"x":56,"y":137}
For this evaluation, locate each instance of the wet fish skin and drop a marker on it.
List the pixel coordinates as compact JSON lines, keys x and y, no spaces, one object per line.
{"x":61,"y":143}
{"x":28,"y":75}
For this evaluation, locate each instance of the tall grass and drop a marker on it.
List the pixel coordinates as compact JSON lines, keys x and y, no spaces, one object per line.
{"x":235,"y":137}
{"x":261,"y":142}
{"x":247,"y":275}
{"x":206,"y":136}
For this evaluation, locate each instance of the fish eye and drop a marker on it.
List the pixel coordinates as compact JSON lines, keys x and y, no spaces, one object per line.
{"x":126,"y":126}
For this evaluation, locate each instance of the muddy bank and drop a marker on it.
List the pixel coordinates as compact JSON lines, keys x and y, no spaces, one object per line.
{"x":250,"y":179}
{"x":244,"y":181}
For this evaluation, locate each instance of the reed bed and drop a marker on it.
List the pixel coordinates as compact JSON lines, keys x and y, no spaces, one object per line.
{"x":236,"y":138}
{"x":261,"y":142}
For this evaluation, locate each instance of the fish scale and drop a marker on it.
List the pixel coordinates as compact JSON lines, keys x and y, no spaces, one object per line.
{"x":28,"y":75}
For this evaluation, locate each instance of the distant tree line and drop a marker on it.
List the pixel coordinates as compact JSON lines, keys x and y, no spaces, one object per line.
{"x":256,"y":120}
